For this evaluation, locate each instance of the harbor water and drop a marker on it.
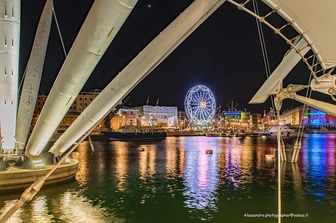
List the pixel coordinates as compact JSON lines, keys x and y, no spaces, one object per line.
{"x":176,"y":180}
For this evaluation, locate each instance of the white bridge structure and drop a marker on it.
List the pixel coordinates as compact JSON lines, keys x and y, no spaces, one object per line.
{"x":314,"y":44}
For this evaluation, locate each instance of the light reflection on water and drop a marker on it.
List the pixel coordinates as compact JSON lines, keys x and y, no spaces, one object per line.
{"x":70,"y":206}
{"x":201,"y":175}
{"x":176,"y":181}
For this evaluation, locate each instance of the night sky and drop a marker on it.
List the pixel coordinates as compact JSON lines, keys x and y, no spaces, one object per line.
{"x":223,"y":53}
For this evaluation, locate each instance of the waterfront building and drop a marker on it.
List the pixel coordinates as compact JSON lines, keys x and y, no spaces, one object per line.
{"x":126,"y":117}
{"x":159,"y":116}
{"x":146,"y":115}
{"x":310,"y":117}
{"x":237,"y":119}
{"x":292,"y":117}
{"x":315,"y":118}
{"x":245,"y":117}
{"x":183,"y":121}
{"x":256,"y":121}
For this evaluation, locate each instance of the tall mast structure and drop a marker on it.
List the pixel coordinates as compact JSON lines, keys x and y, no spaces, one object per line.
{"x":9,"y":68}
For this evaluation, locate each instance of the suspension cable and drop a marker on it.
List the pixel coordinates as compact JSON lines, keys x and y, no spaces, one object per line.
{"x":263,"y":45}
{"x":62,"y":43}
{"x":59,"y":32}
{"x":305,"y":107}
{"x":21,"y":82}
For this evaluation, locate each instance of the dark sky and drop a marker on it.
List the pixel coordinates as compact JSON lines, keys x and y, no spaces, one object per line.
{"x":223,"y":53}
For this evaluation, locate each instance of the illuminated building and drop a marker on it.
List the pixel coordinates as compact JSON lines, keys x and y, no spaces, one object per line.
{"x":311,"y":117}
{"x":159,"y":116}
{"x":238,"y":119}
{"x":316,"y":118}
{"x":183,"y":121}
{"x":292,"y":117}
{"x":126,"y":117}
{"x":256,"y":121}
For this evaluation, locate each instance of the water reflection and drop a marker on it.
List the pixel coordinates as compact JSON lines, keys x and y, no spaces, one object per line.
{"x":40,"y":210}
{"x":176,"y":181}
{"x":147,"y":160}
{"x":171,"y":156}
{"x":201,"y":176}
{"x":76,"y":208}
{"x":121,"y":164}
{"x":69,"y":206}
{"x":17,"y":217}
{"x":318,"y":163}
{"x":82,"y":155}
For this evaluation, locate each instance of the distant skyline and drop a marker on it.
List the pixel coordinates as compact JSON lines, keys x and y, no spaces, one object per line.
{"x":223,"y":54}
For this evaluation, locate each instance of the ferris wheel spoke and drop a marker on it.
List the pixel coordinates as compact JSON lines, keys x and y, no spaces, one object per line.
{"x":204,"y":97}
{"x":203,"y":115}
{"x":206,"y":111}
{"x":194,"y":108}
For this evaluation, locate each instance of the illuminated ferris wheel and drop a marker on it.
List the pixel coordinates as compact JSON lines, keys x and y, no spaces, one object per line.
{"x":200,"y":105}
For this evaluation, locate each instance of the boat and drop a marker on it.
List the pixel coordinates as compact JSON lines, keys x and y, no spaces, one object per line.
{"x":286,"y":132}
{"x":127,"y":133}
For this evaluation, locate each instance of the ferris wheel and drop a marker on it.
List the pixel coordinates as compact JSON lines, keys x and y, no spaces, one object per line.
{"x":200,"y":105}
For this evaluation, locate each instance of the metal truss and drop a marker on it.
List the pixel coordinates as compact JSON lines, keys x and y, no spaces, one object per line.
{"x":314,"y":66}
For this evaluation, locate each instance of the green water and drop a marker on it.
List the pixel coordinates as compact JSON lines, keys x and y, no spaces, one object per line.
{"x":176,"y":181}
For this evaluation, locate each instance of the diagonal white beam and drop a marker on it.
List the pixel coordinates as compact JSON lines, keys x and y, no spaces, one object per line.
{"x":287,"y":64}
{"x":32,"y":77}
{"x":99,"y":29}
{"x":146,"y":61}
{"x":323,"y":106}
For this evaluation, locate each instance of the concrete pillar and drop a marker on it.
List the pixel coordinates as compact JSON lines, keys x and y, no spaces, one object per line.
{"x":9,"y":61}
